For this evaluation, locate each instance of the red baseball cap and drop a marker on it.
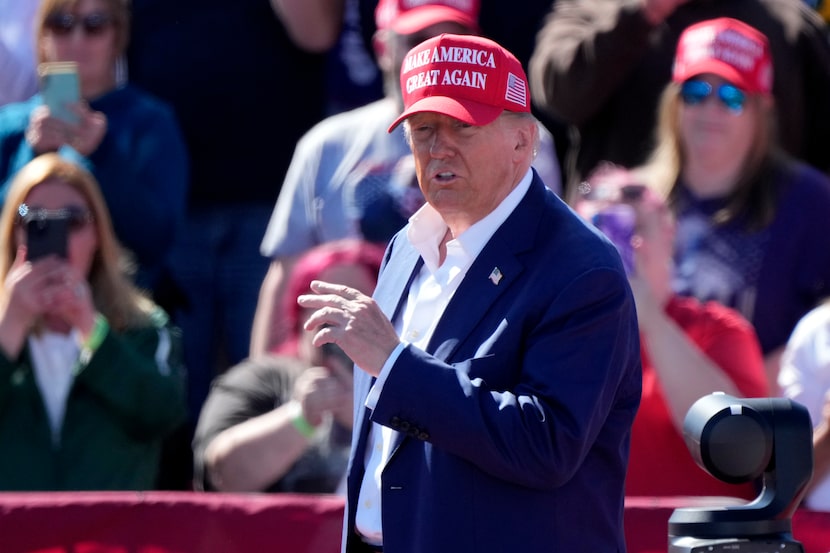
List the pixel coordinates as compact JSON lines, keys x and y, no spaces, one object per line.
{"x":728,"y":48}
{"x":467,"y":77}
{"x":410,"y":16}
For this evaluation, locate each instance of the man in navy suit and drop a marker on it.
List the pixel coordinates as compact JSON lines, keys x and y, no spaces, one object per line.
{"x":498,"y":361}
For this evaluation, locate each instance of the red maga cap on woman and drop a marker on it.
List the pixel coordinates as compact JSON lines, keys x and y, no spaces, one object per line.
{"x":728,"y":48}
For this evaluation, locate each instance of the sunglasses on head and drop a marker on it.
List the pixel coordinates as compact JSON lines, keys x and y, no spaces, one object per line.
{"x":694,"y":92}
{"x":92,"y":24}
{"x":76,"y":217}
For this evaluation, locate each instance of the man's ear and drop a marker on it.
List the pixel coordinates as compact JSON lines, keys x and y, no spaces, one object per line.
{"x":525,"y":136}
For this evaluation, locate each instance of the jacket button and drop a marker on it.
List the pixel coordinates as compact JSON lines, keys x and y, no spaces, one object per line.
{"x":395,"y":422}
{"x":423,"y":436}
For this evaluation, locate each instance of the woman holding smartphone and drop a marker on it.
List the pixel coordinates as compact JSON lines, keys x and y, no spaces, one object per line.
{"x":90,"y":371}
{"x":129,"y":140}
{"x":689,"y":349}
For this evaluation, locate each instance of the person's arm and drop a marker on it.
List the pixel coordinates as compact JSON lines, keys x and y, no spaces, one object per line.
{"x":235,"y":459}
{"x":313,"y":25}
{"x":19,"y":306}
{"x":240,"y":426}
{"x":586,"y":50}
{"x":805,"y":378}
{"x":688,"y":371}
{"x":268,"y":330}
{"x":139,"y":375}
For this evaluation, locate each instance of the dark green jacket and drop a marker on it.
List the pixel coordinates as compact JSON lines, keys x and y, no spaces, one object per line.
{"x":122,"y":404}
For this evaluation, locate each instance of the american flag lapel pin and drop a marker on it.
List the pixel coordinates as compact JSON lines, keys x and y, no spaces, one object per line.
{"x":495,"y":276}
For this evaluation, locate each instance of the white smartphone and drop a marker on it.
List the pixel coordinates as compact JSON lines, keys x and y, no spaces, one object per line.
{"x":59,"y":86}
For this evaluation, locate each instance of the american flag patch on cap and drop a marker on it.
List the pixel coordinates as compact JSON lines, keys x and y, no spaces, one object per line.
{"x":516,"y":90}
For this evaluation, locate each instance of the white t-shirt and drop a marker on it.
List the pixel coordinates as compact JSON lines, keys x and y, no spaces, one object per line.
{"x":805,"y":377}
{"x":54,"y":357}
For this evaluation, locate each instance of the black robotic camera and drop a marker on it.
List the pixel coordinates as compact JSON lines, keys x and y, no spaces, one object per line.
{"x":767,"y":440}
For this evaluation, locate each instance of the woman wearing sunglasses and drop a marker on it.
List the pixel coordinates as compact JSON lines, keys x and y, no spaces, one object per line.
{"x":90,"y":371}
{"x":129,"y":140}
{"x":753,"y":226}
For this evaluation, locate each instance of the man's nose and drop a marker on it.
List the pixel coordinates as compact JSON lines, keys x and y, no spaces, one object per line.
{"x":441,"y":145}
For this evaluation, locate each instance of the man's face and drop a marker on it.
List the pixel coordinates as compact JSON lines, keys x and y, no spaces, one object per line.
{"x":465,"y":171}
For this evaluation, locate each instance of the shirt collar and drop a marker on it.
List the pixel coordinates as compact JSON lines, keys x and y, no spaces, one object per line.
{"x":427,"y":228}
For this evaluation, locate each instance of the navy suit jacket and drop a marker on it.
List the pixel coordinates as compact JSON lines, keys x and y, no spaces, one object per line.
{"x":515,"y":423}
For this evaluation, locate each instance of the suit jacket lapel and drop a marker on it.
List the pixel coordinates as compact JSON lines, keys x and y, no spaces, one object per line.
{"x":491,"y":275}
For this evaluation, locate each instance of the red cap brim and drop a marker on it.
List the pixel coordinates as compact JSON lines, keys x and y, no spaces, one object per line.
{"x":468,"y":111}
{"x":719,"y":68}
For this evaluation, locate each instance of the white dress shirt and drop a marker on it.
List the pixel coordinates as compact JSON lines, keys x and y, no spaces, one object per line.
{"x":430,"y":293}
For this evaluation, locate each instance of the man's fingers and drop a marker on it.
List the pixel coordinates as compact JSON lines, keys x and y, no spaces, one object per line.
{"x":320,"y":286}
{"x":319,"y":301}
{"x":324,"y":317}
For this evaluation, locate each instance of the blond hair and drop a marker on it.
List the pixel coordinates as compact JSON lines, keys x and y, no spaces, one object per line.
{"x":113,"y":293}
{"x":753,"y":194}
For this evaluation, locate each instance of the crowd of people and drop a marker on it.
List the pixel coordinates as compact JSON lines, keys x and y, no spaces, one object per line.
{"x":287,"y":240}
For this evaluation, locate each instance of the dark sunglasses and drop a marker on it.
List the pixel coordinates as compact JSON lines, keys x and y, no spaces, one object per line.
{"x":695,"y":92}
{"x":75,"y":216}
{"x":92,"y":24}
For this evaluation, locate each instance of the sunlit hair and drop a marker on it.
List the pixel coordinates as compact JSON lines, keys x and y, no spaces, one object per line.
{"x":311,"y":265}
{"x":753,"y":196}
{"x":119,"y":10}
{"x":113,"y":293}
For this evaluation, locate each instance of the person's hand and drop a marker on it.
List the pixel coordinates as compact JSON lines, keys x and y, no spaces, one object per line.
{"x":72,"y":301}
{"x":352,"y":320}
{"x":48,"y":287}
{"x":87,"y":134}
{"x":33,"y":288}
{"x":46,"y":133}
{"x":657,"y":11}
{"x":319,"y":391}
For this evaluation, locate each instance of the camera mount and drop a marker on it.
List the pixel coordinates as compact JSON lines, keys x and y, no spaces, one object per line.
{"x":767,"y":440}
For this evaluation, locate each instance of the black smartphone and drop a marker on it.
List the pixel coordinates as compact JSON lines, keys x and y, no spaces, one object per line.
{"x":45,"y":237}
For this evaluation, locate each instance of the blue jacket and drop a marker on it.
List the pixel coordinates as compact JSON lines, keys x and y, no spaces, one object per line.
{"x":514,"y":426}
